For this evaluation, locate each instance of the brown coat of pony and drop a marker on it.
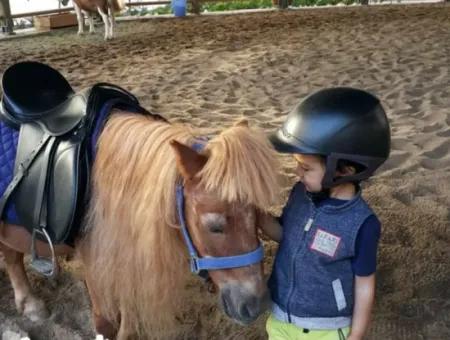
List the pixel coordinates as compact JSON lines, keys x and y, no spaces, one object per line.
{"x":132,"y":252}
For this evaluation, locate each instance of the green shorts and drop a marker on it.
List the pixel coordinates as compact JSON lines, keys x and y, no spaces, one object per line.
{"x":278,"y":330}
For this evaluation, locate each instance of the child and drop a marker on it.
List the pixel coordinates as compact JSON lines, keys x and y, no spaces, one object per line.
{"x":323,"y":280}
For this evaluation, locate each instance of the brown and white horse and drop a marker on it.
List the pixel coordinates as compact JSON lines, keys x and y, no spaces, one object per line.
{"x":106,"y":9}
{"x":132,"y":249}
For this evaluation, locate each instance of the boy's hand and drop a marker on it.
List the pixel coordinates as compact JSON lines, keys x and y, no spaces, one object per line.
{"x":270,"y":226}
{"x":354,"y":337}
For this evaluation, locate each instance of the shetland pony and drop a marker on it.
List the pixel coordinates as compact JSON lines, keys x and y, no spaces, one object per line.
{"x":131,"y":246}
{"x":106,"y":9}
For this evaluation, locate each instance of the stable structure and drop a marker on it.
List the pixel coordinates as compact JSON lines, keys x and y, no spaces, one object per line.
{"x":6,"y":21}
{"x":6,"y":17}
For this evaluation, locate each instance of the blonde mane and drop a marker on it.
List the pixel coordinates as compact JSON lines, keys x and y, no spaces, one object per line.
{"x":135,"y":258}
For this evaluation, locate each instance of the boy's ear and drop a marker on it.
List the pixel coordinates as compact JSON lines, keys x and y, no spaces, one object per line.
{"x":346,"y":170}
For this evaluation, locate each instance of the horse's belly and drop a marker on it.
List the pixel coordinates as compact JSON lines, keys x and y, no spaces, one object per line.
{"x":19,"y":239}
{"x":92,"y":5}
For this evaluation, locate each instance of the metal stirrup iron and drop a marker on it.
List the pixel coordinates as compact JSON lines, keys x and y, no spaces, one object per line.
{"x":44,"y":266}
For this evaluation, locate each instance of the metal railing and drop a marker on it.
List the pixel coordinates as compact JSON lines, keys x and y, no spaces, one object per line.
{"x":8,"y":17}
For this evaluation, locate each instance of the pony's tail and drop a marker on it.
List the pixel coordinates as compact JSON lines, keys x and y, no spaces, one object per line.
{"x":115,"y":6}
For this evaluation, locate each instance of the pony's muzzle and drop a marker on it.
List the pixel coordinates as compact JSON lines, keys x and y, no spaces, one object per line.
{"x":241,"y":305}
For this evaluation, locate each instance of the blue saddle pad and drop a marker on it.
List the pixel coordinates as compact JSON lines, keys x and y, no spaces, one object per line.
{"x":8,"y":148}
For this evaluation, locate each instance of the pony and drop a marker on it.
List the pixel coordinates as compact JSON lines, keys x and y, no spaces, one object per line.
{"x":131,"y":245}
{"x":106,"y":9}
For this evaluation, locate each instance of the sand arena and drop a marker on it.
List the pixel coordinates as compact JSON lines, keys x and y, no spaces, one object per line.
{"x":211,"y":70}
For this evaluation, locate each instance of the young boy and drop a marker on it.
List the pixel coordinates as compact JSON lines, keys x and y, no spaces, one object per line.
{"x":323,"y":280}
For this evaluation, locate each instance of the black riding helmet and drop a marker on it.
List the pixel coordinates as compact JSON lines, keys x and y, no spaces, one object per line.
{"x":340,"y":124}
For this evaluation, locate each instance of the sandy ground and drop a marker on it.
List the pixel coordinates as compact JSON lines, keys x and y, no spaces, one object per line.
{"x":211,"y":70}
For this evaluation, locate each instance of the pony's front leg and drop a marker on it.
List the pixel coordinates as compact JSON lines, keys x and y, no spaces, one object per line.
{"x":105,"y":21}
{"x":91,"y":23}
{"x":125,"y":332}
{"x":101,"y":324}
{"x":26,"y":303}
{"x":80,"y":19}
{"x":112,"y":23}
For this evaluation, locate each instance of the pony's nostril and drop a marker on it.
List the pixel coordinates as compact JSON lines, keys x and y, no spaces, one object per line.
{"x":250,"y":309}
{"x":226,"y":303}
{"x":244,"y":312}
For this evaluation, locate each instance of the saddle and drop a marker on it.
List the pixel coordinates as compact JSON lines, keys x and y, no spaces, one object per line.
{"x":49,"y":190}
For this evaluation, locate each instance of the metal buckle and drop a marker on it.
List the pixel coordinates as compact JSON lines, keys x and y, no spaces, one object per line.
{"x":44,"y":266}
{"x":194,"y":265}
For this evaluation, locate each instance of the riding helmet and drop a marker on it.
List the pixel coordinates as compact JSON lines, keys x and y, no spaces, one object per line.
{"x":339,"y":124}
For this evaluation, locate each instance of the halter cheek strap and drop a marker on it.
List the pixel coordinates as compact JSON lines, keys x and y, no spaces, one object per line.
{"x":212,"y":263}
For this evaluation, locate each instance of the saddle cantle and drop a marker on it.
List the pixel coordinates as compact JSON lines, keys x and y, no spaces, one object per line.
{"x":54,"y":154}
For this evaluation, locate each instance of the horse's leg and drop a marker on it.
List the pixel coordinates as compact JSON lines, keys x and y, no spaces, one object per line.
{"x":105,"y":21}
{"x":91,"y":23}
{"x":112,"y":22}
{"x":101,"y":324}
{"x":80,"y":19}
{"x":26,"y":303}
{"x":125,"y":332}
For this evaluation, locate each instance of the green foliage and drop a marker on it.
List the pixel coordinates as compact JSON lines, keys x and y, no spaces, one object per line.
{"x":237,"y":5}
{"x":166,"y":9}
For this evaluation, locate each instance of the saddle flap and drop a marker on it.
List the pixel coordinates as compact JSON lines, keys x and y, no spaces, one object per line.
{"x":65,"y":171}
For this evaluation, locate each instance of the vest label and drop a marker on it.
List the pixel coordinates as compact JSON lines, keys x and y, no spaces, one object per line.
{"x":325,"y":243}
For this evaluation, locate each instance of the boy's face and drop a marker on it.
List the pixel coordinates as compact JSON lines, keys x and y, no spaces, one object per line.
{"x":310,"y":170}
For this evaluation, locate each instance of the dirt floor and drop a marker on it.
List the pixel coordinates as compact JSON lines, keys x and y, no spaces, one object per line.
{"x":210,"y":70}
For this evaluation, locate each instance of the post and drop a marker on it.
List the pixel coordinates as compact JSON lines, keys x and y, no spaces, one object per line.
{"x":283,"y":4}
{"x":5,"y":14}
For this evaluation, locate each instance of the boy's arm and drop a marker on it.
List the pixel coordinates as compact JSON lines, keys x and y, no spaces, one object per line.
{"x":270,"y":226}
{"x":364,"y":299}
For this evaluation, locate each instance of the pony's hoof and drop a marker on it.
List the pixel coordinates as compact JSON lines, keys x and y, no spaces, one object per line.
{"x":33,"y":308}
{"x":80,"y":33}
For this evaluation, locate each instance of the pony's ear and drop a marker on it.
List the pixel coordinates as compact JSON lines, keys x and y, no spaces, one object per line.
{"x":243,"y":122}
{"x":189,"y":162}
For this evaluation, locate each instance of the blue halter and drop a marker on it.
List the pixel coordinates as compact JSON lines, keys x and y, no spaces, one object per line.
{"x":198,"y":263}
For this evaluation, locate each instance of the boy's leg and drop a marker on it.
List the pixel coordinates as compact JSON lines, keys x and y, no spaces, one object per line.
{"x":338,"y":334}
{"x":278,"y":330}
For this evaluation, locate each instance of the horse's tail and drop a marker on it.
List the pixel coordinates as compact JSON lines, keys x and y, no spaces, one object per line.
{"x":116,"y":5}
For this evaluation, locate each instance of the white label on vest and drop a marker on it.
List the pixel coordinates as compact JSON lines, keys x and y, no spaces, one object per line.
{"x":325,"y":243}
{"x":339,"y":294}
{"x":309,"y":224}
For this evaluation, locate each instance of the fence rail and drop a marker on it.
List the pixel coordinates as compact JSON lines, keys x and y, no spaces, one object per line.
{"x":6,"y":16}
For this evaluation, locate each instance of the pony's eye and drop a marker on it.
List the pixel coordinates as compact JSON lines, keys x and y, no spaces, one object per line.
{"x":216,"y":228}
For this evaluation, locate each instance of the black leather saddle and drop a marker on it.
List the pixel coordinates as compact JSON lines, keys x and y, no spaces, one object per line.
{"x":49,"y":189}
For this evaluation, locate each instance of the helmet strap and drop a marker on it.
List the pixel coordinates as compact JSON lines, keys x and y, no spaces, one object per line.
{"x":330,"y":180}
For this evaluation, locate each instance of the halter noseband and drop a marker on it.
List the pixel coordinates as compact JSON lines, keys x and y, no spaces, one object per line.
{"x":199,"y":263}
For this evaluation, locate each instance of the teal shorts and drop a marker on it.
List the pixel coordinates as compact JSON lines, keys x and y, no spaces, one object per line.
{"x":278,"y":330}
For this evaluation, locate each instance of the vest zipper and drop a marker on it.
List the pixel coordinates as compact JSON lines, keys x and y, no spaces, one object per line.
{"x":306,"y":228}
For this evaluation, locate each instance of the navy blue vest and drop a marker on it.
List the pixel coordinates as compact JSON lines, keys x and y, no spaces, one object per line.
{"x":312,"y":278}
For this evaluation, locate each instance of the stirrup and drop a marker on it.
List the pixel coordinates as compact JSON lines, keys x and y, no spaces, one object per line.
{"x":44,"y":266}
